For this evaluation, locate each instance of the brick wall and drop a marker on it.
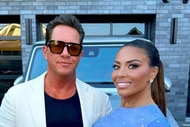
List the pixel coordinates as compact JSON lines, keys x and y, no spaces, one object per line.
{"x":176,"y":57}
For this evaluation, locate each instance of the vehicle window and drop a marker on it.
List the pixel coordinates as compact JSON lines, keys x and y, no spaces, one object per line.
{"x":96,"y":64}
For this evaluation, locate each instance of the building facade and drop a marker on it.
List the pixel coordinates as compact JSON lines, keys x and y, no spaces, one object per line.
{"x":169,"y":30}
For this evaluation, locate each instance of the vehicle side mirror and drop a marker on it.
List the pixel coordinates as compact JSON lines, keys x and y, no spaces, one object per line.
{"x":18,"y":80}
{"x":168,"y":84}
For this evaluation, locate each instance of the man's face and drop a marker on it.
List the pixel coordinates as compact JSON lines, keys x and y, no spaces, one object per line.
{"x":63,"y":64}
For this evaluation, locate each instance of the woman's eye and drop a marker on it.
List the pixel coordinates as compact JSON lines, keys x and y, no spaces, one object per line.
{"x":115,"y":67}
{"x":133,"y":66}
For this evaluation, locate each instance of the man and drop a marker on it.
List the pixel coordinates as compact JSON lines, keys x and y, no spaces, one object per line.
{"x":56,"y":98}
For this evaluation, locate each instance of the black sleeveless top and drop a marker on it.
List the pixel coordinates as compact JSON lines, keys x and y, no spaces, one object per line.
{"x":63,"y":113}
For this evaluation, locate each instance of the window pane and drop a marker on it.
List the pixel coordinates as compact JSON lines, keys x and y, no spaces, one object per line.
{"x":9,"y":43}
{"x":96,"y":29}
{"x":128,"y":28}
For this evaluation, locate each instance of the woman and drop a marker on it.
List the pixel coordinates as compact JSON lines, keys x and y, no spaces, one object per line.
{"x":139,"y":79}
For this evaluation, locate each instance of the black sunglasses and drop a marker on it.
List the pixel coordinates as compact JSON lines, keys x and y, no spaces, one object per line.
{"x":57,"y":47}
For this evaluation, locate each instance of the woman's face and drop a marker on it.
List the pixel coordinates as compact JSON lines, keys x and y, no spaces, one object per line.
{"x":132,"y":73}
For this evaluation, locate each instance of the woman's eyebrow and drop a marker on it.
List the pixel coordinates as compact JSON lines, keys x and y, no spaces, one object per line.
{"x":133,"y":60}
{"x":130,"y":61}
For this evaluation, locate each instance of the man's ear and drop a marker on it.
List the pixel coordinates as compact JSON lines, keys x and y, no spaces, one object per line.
{"x":44,"y":50}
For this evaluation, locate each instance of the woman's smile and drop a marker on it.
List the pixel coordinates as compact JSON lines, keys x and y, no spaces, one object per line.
{"x":123,"y":84}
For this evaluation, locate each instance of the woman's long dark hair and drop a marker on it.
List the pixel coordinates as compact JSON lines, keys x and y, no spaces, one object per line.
{"x":157,"y":87}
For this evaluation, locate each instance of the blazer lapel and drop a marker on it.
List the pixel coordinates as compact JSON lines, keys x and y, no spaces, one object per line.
{"x":86,"y":102}
{"x":37,"y":102}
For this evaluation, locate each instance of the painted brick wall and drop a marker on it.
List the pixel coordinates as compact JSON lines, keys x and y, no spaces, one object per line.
{"x":176,"y":57}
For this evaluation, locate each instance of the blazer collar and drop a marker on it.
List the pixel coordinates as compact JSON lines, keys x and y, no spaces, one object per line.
{"x":36,"y":100}
{"x":86,"y":102}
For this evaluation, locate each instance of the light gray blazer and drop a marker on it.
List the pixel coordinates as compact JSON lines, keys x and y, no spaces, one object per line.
{"x":24,"y":106}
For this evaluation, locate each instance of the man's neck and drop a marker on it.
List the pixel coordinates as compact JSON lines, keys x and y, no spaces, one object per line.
{"x":60,"y":88}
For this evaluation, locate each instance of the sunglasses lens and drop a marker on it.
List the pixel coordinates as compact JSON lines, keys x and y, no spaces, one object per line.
{"x":56,"y":47}
{"x":74,"y":49}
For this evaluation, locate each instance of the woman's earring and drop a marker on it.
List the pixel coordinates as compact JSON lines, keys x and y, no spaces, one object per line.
{"x":151,"y":81}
